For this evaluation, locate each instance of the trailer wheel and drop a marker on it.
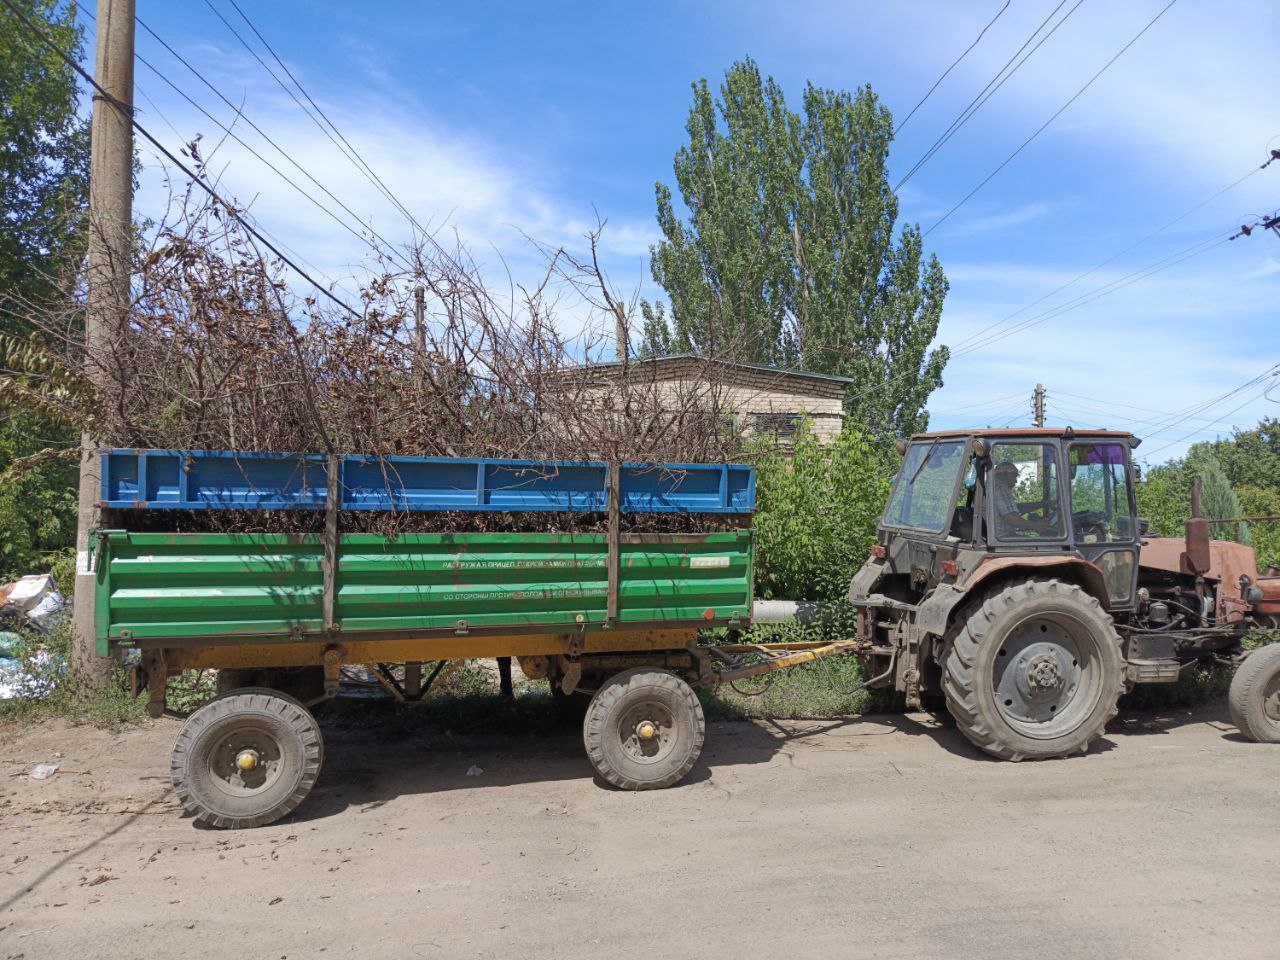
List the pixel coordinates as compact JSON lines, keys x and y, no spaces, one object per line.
{"x":1033,"y":671}
{"x":246,"y":759}
{"x":1254,"y":698}
{"x":644,"y":729}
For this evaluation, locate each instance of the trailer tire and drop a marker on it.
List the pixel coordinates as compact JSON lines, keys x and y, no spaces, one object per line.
{"x":644,"y":729}
{"x":1033,"y":670}
{"x":1254,"y":697}
{"x":210,"y":764}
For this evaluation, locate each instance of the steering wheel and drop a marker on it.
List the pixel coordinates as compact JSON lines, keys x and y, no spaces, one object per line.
{"x":1091,"y":523}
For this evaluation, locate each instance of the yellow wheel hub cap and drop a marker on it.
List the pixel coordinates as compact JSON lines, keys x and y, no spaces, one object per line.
{"x":646,"y":730}
{"x":247,"y":759}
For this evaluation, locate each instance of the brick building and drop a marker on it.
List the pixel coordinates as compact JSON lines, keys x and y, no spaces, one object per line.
{"x":762,"y":400}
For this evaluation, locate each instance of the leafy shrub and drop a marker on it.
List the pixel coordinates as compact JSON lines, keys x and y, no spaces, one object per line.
{"x":816,"y":511}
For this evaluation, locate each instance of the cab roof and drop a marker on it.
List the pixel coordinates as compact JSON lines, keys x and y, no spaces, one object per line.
{"x":1064,"y":432}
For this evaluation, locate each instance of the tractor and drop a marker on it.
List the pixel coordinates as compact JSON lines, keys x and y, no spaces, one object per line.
{"x":1012,"y":581}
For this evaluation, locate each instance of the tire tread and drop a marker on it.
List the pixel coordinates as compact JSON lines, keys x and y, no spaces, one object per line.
{"x":258,"y":699}
{"x":960,"y":682}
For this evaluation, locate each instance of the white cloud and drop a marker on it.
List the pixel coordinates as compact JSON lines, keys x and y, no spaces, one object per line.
{"x":451,"y":182}
{"x":1269,"y":268}
{"x":1159,"y":344}
{"x":1012,"y":218}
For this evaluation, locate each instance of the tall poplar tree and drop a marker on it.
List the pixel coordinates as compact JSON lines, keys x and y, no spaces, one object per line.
{"x":790,"y":254}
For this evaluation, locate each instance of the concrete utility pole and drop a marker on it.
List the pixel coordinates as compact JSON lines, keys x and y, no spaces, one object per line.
{"x":107,"y":300}
{"x":1037,"y":405}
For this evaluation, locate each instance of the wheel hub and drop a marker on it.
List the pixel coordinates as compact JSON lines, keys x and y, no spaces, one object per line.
{"x":1271,"y":705}
{"x":246,"y":761}
{"x":647,"y":731}
{"x":1041,"y":676}
{"x":1044,"y":675}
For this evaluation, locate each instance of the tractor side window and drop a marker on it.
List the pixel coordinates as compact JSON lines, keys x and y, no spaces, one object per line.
{"x":1023,"y":488}
{"x":1101,"y":506}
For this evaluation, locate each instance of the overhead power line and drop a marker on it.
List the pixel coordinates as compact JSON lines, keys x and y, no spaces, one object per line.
{"x":196,"y":179}
{"x":180,"y":138}
{"x":1264,"y":222}
{"x":1150,"y":270}
{"x":230,"y":132}
{"x":994,"y":84}
{"x":1103,"y":69}
{"x":1106,"y":420}
{"x":1267,"y":374}
{"x":1116,"y":256}
{"x":955,"y":63}
{"x":1091,"y":405}
{"x":313,"y":111}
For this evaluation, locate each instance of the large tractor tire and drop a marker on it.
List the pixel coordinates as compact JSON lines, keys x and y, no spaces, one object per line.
{"x":644,"y":729}
{"x":1033,"y":670}
{"x":1254,"y":697}
{"x":246,"y":759}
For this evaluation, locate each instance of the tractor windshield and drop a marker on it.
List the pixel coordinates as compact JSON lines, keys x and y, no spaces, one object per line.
{"x":926,"y":485}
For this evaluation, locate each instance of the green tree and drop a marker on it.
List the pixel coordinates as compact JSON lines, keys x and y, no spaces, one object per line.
{"x":1164,"y":498}
{"x":44,"y":165}
{"x":1251,"y":458}
{"x":44,"y":156}
{"x":816,"y":510}
{"x":1263,"y":502}
{"x":789,"y":256}
{"x":1217,"y":499}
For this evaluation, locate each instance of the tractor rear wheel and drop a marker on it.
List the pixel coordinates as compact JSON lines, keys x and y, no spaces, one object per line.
{"x":246,"y":759}
{"x":644,"y":729}
{"x":1033,"y":670}
{"x":1254,"y":698}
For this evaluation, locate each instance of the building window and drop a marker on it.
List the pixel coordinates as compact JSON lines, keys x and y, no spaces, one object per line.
{"x":781,"y":425}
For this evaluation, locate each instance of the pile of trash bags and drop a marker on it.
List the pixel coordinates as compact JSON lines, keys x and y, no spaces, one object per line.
{"x":29,"y":607}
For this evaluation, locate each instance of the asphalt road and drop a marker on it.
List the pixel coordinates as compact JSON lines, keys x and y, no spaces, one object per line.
{"x":884,"y":837}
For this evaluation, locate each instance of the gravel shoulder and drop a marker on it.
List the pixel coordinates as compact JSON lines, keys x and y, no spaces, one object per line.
{"x":881,"y":836}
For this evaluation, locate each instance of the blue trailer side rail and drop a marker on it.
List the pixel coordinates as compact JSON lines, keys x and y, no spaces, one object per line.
{"x":210,"y":480}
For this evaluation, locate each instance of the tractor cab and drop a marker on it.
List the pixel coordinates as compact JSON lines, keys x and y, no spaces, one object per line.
{"x":965,"y":500}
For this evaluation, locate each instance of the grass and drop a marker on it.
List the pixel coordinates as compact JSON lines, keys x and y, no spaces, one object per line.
{"x":813,"y":691}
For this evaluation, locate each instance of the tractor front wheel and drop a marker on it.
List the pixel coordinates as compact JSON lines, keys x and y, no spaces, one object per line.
{"x":1254,"y":698}
{"x":1033,"y":670}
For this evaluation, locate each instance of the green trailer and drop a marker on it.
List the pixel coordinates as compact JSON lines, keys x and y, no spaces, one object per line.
{"x":613,"y":619}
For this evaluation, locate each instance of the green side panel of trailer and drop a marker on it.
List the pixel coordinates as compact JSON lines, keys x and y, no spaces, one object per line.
{"x":157,"y":588}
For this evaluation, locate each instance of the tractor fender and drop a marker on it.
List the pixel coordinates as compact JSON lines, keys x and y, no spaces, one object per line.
{"x":934,"y":615}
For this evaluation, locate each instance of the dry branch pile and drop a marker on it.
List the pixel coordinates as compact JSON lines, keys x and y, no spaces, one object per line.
{"x":218,"y":352}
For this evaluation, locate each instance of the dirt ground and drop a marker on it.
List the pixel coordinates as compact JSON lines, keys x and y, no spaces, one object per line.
{"x":884,"y":836}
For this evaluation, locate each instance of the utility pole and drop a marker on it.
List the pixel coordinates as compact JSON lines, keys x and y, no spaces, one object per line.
{"x":107,"y":296}
{"x":1037,"y":405}
{"x":420,"y":330}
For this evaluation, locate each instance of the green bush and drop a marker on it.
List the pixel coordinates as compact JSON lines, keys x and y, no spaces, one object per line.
{"x":37,"y":502}
{"x":1263,"y":502}
{"x":816,"y":511}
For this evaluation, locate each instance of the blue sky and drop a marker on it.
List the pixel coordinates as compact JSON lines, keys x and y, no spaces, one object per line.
{"x":508,"y":119}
